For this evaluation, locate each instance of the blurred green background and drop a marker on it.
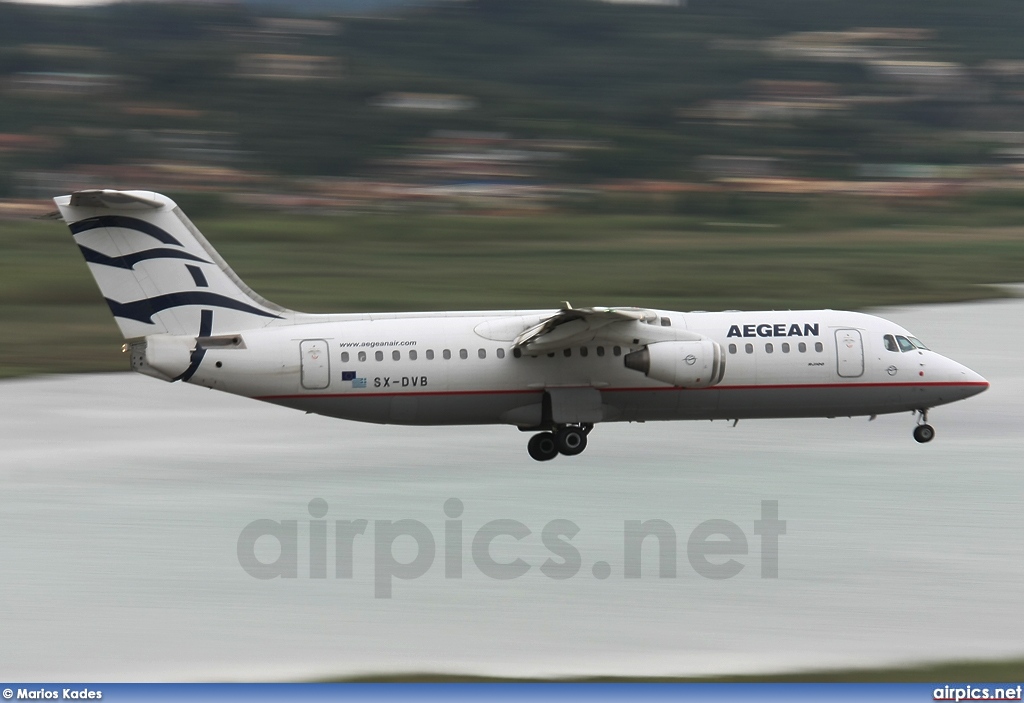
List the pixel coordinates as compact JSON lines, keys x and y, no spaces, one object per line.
{"x":489,"y":154}
{"x":371,"y":155}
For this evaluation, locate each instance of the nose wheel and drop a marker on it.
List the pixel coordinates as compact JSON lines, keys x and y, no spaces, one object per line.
{"x":568,"y":440}
{"x":924,"y":432}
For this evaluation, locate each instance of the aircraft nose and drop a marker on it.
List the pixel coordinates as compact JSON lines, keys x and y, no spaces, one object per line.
{"x":971,"y":381}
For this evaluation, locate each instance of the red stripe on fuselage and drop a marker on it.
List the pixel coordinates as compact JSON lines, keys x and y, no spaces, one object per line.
{"x":793,"y":386}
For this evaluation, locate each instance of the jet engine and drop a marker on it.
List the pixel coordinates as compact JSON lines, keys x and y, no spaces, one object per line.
{"x":697,"y":364}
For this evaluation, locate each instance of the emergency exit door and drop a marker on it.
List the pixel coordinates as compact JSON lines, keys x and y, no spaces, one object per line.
{"x":316,"y":366}
{"x":850,"y":353}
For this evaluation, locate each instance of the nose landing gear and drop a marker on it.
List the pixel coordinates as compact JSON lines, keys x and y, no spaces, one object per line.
{"x":923,"y":432}
{"x":569,"y":440}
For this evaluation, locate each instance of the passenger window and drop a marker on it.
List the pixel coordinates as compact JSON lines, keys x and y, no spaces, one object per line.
{"x":500,"y":353}
{"x":463,"y":354}
{"x":917,"y":343}
{"x":447,"y":354}
{"x":396,"y":355}
{"x":666,"y":322}
{"x":732,"y":348}
{"x":785,"y":347}
{"x":584,"y":351}
{"x":344,"y":357}
{"x":890,"y":343}
{"x":430,"y":354}
{"x":600,"y":351}
{"x":617,"y":351}
{"x":379,"y":356}
{"x":362,"y":356}
{"x":517,"y":352}
{"x":567,"y":352}
{"x":482,"y":353}
{"x":905,"y":344}
{"x":769,"y":347}
{"x":801,"y":347}
{"x":818,"y":346}
{"x":749,"y":348}
{"x":412,"y":355}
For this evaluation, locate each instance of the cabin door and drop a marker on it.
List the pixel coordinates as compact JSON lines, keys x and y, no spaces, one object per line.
{"x":316,"y":367}
{"x":849,"y":353}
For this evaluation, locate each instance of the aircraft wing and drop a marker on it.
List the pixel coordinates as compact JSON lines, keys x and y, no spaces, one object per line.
{"x":574,"y":326}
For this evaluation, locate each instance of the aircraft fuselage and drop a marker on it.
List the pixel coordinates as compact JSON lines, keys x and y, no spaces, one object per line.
{"x":462,"y":368}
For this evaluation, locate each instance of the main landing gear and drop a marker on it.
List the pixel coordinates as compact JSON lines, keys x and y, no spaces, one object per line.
{"x":569,"y":440}
{"x":923,"y":432}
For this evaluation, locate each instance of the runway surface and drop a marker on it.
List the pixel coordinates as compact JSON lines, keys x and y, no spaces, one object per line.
{"x":123,"y":500}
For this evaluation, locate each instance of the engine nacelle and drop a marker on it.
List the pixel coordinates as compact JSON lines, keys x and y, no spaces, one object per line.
{"x":162,"y":356}
{"x":685,"y":364}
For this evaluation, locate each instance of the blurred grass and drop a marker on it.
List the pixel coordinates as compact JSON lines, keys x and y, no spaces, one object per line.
{"x":1008,"y":671}
{"x":819,"y":255}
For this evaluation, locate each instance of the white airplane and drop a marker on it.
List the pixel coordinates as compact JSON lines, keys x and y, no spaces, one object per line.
{"x":186,"y":316}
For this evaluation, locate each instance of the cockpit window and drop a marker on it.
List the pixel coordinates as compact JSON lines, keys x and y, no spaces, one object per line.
{"x":905,"y":344}
{"x":917,"y":343}
{"x":890,"y":343}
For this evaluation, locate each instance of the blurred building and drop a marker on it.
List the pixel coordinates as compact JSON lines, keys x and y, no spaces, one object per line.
{"x":429,"y":102}
{"x":288,"y":67}
{"x":718,"y":167}
{"x":15,"y":143}
{"x":65,"y":84}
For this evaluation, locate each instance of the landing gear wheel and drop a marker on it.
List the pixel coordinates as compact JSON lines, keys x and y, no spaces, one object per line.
{"x":543,"y":447}
{"x":571,"y":440}
{"x":924,"y":433}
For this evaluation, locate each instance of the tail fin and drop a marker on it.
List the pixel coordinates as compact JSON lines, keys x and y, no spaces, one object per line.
{"x":158,"y":274}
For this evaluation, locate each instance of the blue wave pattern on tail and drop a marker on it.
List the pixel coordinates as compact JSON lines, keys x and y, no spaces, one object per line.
{"x":143,"y":310}
{"x":196,"y":358}
{"x":116,"y":232}
{"x":128,"y":261}
{"x":125,"y":222}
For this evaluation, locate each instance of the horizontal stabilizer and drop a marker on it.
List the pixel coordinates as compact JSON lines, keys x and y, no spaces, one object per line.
{"x":114,"y":200}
